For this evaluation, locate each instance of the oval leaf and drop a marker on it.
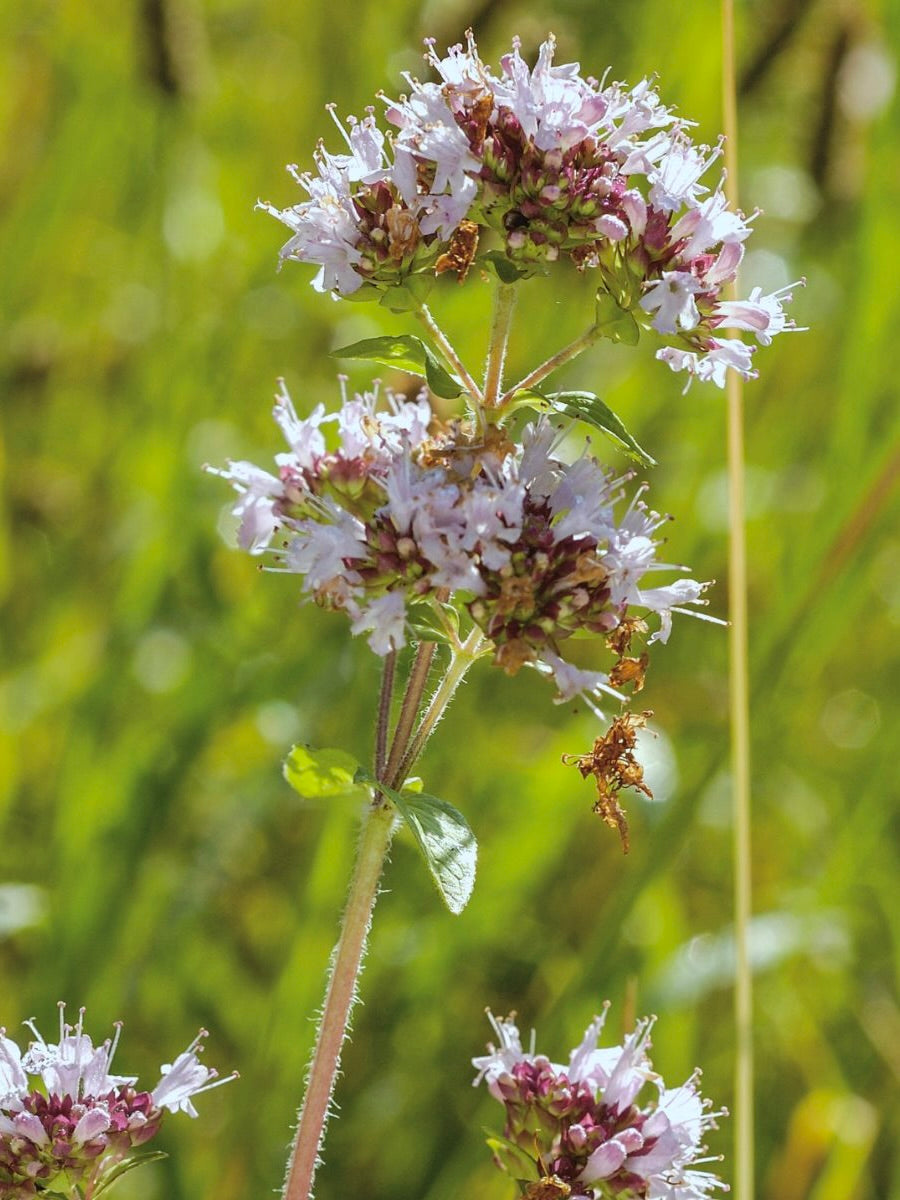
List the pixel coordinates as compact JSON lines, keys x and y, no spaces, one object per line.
{"x":325,"y":774}
{"x":405,"y":353}
{"x":587,"y":407}
{"x":615,"y":322}
{"x":447,"y":843}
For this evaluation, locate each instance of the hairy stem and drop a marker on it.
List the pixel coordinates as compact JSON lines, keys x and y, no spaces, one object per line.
{"x":533,"y":378}
{"x":504,"y":305}
{"x":459,"y":664}
{"x":412,"y":700}
{"x":450,"y":355}
{"x":374,"y":843}
{"x":384,"y":712}
{"x":339,"y":998}
{"x":739,"y":701}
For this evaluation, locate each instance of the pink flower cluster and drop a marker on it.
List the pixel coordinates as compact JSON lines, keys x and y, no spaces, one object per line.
{"x":385,"y":514}
{"x":66,"y":1121}
{"x":602,"y":1127}
{"x":553,"y":164}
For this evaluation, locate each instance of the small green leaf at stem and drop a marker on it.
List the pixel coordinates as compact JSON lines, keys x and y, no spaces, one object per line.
{"x":507,"y":271}
{"x":123,"y":1168}
{"x":325,"y":774}
{"x":405,"y":353}
{"x":443,"y":836}
{"x":615,"y":322}
{"x":587,"y":407}
{"x":519,"y":1164}
{"x":430,"y":626}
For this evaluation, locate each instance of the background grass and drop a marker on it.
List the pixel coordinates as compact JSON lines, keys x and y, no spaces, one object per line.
{"x":154,"y":866}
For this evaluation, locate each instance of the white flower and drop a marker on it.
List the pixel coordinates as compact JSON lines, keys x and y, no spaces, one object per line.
{"x":385,"y":616}
{"x":709,"y":223}
{"x":185,"y":1078}
{"x":554,"y":105}
{"x":581,"y":502}
{"x":258,"y":491}
{"x":303,"y":436}
{"x":675,"y":180}
{"x":762,"y":315}
{"x":712,"y":366}
{"x":671,"y":298}
{"x":326,"y":227}
{"x":13,"y":1080}
{"x":498,"y":1063}
{"x":319,"y":548}
{"x":572,"y":681}
{"x":428,"y":130}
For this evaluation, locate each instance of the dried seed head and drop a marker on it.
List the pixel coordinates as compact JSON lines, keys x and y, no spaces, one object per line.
{"x":613,"y":765}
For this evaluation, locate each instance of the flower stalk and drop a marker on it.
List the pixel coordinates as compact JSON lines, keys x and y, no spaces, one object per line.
{"x":504,"y":307}
{"x":339,"y":998}
{"x":449,"y":353}
{"x":553,"y":363}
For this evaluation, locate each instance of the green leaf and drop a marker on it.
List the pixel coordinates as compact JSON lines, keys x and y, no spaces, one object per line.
{"x":507,"y":271}
{"x":447,"y":843}
{"x":405,"y":353}
{"x":587,"y":407}
{"x":324,"y":774}
{"x":123,"y":1168}
{"x":615,"y":322}
{"x":515,"y":1160}
{"x":427,"y":625}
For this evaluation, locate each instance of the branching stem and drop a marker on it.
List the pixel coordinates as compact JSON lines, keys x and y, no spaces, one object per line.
{"x":450,"y":355}
{"x":384,"y":712}
{"x":374,"y":843}
{"x":471,"y":649}
{"x":504,"y":306}
{"x":553,"y":363}
{"x":412,"y":699}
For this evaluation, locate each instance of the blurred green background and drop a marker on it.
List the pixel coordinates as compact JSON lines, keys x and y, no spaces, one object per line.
{"x":153,"y":864}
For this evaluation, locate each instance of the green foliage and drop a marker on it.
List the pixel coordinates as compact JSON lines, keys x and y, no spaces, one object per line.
{"x":405,"y":353}
{"x":153,"y":680}
{"x":447,"y":843}
{"x":585,"y":406}
{"x":324,"y":774}
{"x":615,"y":322}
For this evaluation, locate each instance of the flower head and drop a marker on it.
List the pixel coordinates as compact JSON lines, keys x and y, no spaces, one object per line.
{"x":385,"y":510}
{"x":604,"y":1126}
{"x":550,"y":165}
{"x":66,"y":1121}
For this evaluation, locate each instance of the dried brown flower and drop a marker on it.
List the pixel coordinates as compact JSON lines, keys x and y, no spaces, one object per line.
{"x":614,"y":766}
{"x":619,"y":641}
{"x":630,"y":670}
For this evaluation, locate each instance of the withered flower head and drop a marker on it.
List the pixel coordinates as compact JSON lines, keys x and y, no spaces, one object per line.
{"x":613,"y":765}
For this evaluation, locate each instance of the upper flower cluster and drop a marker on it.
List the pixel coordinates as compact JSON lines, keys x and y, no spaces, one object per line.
{"x":553,"y":164}
{"x":604,"y":1126}
{"x":66,"y":1121}
{"x":387,"y":514}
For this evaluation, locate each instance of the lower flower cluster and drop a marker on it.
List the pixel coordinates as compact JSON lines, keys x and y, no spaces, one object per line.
{"x":67,"y":1125}
{"x":394,"y":512}
{"x":603,"y":1127}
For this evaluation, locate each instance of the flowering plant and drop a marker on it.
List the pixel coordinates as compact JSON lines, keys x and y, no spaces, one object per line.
{"x":604,"y":1126}
{"x":480,"y":534}
{"x":70,"y":1127}
{"x":554,"y":166}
